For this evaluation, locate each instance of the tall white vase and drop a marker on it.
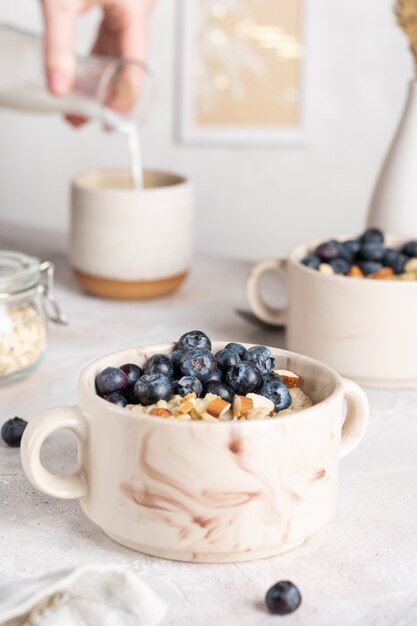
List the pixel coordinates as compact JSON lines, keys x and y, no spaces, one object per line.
{"x":394,"y":203}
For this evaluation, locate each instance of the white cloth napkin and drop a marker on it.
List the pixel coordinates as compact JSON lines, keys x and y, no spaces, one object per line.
{"x":86,"y":596}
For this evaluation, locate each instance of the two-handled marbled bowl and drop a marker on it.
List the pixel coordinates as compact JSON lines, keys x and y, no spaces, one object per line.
{"x":204,"y":491}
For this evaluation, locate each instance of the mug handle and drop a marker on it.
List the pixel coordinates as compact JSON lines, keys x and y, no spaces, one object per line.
{"x":266,"y":313}
{"x":35,"y":433}
{"x":357,"y":417}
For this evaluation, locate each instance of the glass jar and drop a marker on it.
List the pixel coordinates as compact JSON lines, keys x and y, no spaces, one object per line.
{"x":26,"y":301}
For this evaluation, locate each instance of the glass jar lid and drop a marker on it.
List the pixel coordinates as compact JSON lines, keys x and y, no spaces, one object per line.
{"x":18,"y":272}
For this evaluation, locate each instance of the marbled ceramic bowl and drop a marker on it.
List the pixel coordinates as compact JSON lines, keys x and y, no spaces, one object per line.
{"x":204,"y":491}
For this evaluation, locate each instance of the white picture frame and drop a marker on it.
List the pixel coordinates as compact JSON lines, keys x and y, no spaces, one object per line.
{"x":192,"y":133}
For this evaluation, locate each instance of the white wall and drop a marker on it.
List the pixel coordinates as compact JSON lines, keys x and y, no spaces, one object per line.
{"x":250,"y":202}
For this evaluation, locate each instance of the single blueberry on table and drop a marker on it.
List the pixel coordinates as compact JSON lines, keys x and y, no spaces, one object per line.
{"x":369,"y":267}
{"x":328,"y":250}
{"x":283,"y":598}
{"x":410,"y":249}
{"x":226,"y":358}
{"x":153,"y":387}
{"x":244,"y":378}
{"x":194,"y":339}
{"x":237,"y":347}
{"x":111,"y":379}
{"x":219,"y":389}
{"x":12,"y":431}
{"x":159,"y":364}
{"x":132,"y":371}
{"x":176,"y":358}
{"x":340,"y":266}
{"x":116,"y":398}
{"x":198,"y":362}
{"x":311,"y":261}
{"x":278,"y":393}
{"x":372,"y":235}
{"x":261,"y":356}
{"x":217,"y":374}
{"x":188,"y":384}
{"x":371,"y":252}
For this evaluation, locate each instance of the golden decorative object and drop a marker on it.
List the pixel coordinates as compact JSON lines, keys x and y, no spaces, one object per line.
{"x":406,"y":12}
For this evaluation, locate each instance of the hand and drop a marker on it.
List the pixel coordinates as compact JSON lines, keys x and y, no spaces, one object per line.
{"x":122,"y":33}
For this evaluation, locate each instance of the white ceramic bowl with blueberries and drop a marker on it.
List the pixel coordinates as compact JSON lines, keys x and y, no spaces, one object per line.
{"x":205,"y":452}
{"x":352,"y":303}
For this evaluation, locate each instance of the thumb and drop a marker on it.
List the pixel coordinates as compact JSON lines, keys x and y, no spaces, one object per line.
{"x":59,"y":52}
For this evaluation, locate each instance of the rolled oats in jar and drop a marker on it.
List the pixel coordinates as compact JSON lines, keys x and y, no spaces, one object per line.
{"x":25,"y":285}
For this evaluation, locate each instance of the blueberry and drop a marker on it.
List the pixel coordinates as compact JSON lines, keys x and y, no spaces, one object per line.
{"x":176,"y":358}
{"x":12,"y":431}
{"x":116,"y":398}
{"x":351,"y":246}
{"x":188,"y":384}
{"x":311,"y":261}
{"x":159,"y":364}
{"x":266,"y":378}
{"x":244,"y":378}
{"x":218,"y":374}
{"x":398,"y":263}
{"x":132,"y":371}
{"x":276,"y":391}
{"x":237,"y":347}
{"x":369,"y":267}
{"x":390,"y":256}
{"x":283,"y":598}
{"x":194,"y":339}
{"x":226,"y":359}
{"x":198,"y":362}
{"x":153,"y":387}
{"x":372,"y":235}
{"x":371,"y":252}
{"x":219,"y":389}
{"x":340,"y":266}
{"x":410,"y":249}
{"x":328,"y":250}
{"x":261,"y":357}
{"x":111,"y":379}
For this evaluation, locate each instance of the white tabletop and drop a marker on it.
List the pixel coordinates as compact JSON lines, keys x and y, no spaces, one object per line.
{"x":360,"y":570}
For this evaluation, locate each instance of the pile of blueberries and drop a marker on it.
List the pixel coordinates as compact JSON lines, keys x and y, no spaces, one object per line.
{"x":368,"y":252}
{"x":192,"y":367}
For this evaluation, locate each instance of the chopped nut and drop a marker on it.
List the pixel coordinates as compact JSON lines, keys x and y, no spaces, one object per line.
{"x":356,"y":272}
{"x":407,"y":276}
{"x":218,"y":407}
{"x":258,"y":413}
{"x":260,"y":402}
{"x":411,"y":265}
{"x":383,"y":273}
{"x":161,"y":412}
{"x":290,"y":379}
{"x":242,"y":406}
{"x":325,"y":268}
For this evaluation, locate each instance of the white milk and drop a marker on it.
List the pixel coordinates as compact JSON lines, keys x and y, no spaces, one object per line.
{"x":32,"y":98}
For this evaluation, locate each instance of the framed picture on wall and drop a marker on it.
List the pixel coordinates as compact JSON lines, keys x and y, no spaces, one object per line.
{"x":242,"y":71}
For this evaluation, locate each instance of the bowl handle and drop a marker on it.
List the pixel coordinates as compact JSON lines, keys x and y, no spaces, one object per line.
{"x":38,"y":429}
{"x":266,"y":313}
{"x":357,"y":417}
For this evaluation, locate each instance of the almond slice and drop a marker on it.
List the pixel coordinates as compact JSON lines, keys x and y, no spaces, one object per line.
{"x":259,"y":413}
{"x":411,"y":265}
{"x":218,"y":407}
{"x":242,"y":406}
{"x":161,"y":412}
{"x":290,"y":379}
{"x":189,"y":396}
{"x":325,"y":268}
{"x":187,"y":403}
{"x":383,"y":273}
{"x":356,"y":272}
{"x":260,"y":402}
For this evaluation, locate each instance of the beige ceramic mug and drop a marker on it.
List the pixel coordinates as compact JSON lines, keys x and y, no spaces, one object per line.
{"x":127,"y":242}
{"x":204,"y":491}
{"x":365,"y":329}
